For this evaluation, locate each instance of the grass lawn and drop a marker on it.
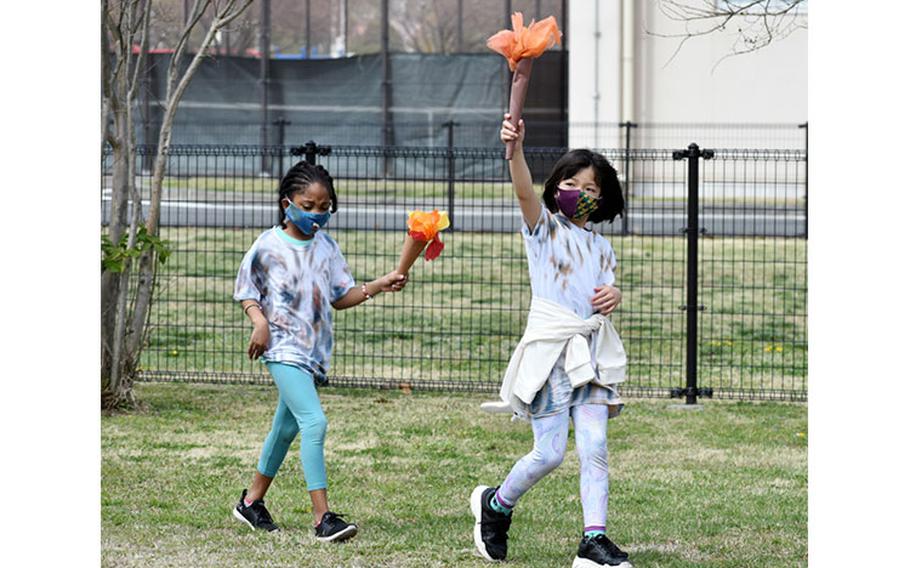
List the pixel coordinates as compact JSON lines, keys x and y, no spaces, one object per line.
{"x":726,"y":486}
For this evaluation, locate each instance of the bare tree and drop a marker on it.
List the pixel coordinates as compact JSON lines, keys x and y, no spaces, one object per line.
{"x":424,"y":26}
{"x":241,"y":35}
{"x":428,"y":26}
{"x":129,"y":242}
{"x":417,"y":26}
{"x":757,"y":23}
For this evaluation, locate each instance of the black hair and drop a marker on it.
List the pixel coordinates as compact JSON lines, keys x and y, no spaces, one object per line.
{"x":298,"y":178}
{"x":609,"y":204}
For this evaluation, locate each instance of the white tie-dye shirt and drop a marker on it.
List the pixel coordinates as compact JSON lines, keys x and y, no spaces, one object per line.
{"x":566,"y":262}
{"x":296,"y":283}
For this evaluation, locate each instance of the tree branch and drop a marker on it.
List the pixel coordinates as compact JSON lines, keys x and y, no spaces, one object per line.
{"x":197,"y":11}
{"x":143,"y":48}
{"x":761,"y":22}
{"x":106,"y":135}
{"x":230,"y":11}
{"x":147,"y":268}
{"x":115,"y":31}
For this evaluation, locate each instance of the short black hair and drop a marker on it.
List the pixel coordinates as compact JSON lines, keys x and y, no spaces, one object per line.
{"x":609,"y":204}
{"x":298,"y":178}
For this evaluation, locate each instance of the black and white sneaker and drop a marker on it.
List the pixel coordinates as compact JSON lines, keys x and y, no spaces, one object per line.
{"x":256,"y":516}
{"x":599,"y":551}
{"x":332,"y":528}
{"x":491,"y":528}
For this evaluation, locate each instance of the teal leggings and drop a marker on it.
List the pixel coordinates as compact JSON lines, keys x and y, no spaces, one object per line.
{"x":298,"y":411}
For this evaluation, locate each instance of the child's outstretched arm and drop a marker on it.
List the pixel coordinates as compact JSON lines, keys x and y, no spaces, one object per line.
{"x":391,"y":282}
{"x":521,"y":174}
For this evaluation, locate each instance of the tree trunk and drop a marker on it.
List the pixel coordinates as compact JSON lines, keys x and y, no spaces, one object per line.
{"x":117,"y":362}
{"x":110,"y":281}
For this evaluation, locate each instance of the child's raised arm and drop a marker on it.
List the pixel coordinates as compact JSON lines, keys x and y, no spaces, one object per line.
{"x":521,"y":175}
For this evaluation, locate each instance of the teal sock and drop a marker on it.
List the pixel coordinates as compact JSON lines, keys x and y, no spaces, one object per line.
{"x":494,"y":503}
{"x":592,"y":534}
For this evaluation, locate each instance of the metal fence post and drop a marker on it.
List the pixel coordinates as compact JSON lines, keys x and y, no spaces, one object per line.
{"x":310,"y":150}
{"x":805,"y":125}
{"x":281,"y":123}
{"x":388,"y":136}
{"x":692,"y":230}
{"x":450,"y":158}
{"x":146,"y":109}
{"x":264,"y":55}
{"x":628,"y":126}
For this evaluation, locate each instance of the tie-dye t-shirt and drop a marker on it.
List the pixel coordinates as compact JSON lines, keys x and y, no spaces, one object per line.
{"x":567,"y":262}
{"x":296,"y":283}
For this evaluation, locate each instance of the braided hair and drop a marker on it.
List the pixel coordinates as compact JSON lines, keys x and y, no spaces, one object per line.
{"x":298,"y":178}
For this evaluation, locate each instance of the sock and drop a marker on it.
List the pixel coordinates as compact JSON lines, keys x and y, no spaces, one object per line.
{"x":247,"y":502}
{"x":498,"y":505}
{"x":591,"y":532}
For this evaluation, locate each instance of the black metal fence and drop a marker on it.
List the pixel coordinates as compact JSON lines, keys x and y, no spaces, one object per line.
{"x":455,"y":325}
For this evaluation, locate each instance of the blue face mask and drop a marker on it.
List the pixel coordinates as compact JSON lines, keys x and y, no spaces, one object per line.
{"x":307,"y":222}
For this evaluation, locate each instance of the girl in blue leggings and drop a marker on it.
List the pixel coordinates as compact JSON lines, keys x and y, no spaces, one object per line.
{"x":289,"y":282}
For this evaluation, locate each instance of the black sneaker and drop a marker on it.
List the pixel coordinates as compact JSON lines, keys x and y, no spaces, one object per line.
{"x":256,"y":516}
{"x":599,"y":551}
{"x":491,"y":528}
{"x":332,"y":528}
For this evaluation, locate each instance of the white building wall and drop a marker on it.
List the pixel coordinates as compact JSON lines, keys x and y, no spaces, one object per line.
{"x":585,"y":63}
{"x":769,"y":86}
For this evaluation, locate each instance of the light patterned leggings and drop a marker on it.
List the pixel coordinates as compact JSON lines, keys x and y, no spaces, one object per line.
{"x":550,"y":436}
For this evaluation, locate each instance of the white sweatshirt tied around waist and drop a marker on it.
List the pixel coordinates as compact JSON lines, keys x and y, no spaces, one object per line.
{"x":550,"y":327}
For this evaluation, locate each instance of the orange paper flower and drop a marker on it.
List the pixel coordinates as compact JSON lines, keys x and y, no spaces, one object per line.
{"x":423,"y":226}
{"x":525,"y":42}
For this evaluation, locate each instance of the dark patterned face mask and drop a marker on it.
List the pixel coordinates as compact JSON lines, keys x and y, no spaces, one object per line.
{"x":574,"y":203}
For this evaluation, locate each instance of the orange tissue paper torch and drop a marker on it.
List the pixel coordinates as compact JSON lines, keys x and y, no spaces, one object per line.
{"x":423,"y":228}
{"x":520,"y":46}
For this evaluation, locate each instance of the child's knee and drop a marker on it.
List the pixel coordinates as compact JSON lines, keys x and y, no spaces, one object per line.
{"x":314,"y":427}
{"x":593,"y":449}
{"x":287,"y":431}
{"x":550,"y":459}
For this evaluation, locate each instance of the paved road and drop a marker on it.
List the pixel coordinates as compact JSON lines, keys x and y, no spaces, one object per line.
{"x":729,"y":221}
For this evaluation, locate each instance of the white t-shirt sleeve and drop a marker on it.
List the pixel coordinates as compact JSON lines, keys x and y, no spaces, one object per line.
{"x":608,"y":266}
{"x":538,"y":231}
{"x":342,"y":278}
{"x":536,"y":241}
{"x":245,"y":287}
